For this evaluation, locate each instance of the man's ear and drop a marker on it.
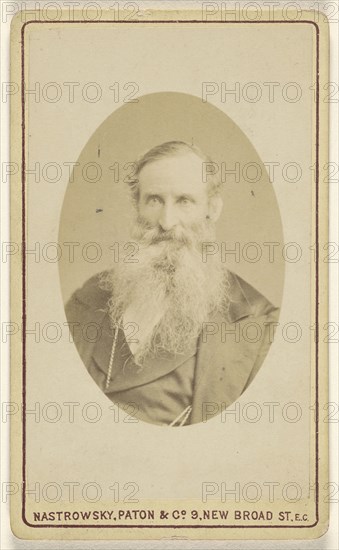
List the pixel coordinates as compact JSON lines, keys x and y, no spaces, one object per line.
{"x":215,"y":207}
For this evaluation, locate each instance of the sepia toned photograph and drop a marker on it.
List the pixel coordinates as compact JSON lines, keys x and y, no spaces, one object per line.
{"x":155,"y":330}
{"x":169,"y":269}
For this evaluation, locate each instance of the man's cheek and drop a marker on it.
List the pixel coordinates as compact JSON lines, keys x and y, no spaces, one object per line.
{"x":149,"y":219}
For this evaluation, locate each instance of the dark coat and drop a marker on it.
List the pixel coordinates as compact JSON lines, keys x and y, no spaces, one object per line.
{"x":229,"y":352}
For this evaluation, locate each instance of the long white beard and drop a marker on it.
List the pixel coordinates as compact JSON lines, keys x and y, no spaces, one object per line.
{"x":172,"y":286}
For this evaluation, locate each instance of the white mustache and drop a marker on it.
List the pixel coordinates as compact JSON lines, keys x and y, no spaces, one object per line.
{"x":190,"y":237}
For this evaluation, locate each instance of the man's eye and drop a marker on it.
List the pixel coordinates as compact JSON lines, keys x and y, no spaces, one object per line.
{"x":184,"y":201}
{"x":153,"y":201}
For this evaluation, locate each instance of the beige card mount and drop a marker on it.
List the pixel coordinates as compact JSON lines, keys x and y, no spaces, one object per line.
{"x":169,"y":284}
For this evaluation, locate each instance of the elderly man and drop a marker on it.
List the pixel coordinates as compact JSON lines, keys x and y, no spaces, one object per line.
{"x":175,"y":344}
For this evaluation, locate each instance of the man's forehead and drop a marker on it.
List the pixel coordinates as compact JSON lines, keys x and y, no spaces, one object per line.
{"x":171,"y":169}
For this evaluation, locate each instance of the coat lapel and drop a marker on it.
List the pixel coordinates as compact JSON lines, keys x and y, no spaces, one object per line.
{"x":225,"y":358}
{"x":126,"y":374}
{"x":223,"y":368}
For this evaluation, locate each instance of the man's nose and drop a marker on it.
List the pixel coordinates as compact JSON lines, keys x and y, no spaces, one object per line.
{"x":168,"y":218}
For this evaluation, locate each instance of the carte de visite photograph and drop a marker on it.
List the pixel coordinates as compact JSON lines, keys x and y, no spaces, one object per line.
{"x":169,"y":214}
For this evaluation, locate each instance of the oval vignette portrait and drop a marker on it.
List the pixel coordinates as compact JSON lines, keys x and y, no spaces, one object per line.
{"x":170,"y":287}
